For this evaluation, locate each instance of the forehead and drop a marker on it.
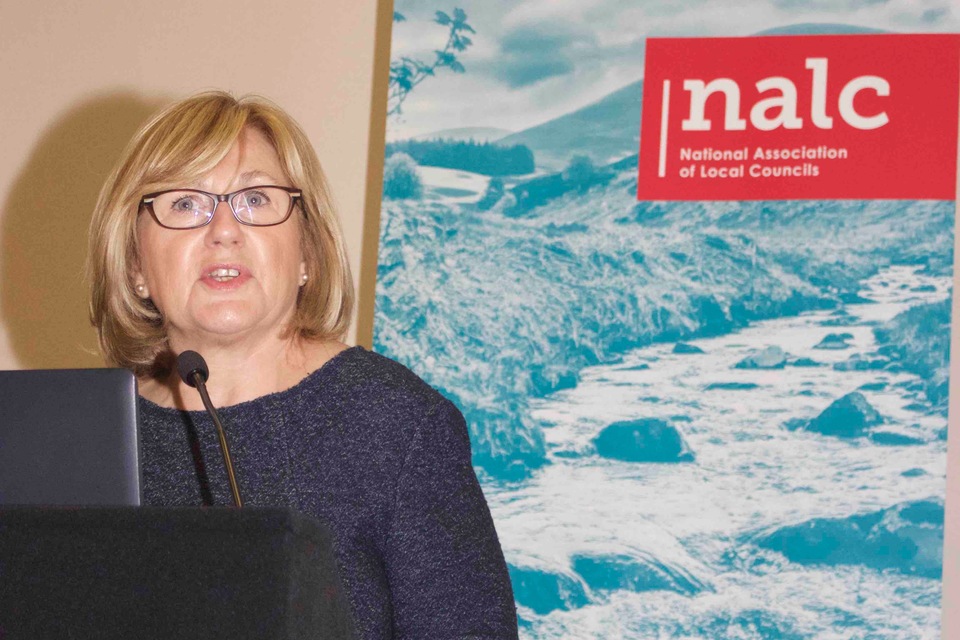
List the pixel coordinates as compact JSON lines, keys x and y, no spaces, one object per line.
{"x":251,"y":159}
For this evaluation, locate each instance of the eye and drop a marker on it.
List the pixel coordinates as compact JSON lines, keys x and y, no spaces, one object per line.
{"x":256,"y":198}
{"x":185,"y":204}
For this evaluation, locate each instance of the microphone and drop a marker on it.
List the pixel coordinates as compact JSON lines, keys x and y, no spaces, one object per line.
{"x":194,"y":372}
{"x":191,"y":364}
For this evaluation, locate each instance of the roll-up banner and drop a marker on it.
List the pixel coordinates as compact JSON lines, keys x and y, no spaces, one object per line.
{"x":688,"y":273}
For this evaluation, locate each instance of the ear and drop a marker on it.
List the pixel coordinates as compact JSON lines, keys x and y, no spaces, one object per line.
{"x":140,"y":285}
{"x":303,"y":273}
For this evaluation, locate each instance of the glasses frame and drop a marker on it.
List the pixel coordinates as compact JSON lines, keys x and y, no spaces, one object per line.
{"x":295,"y":195}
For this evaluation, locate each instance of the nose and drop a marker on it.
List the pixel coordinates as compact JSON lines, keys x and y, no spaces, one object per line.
{"x":224,"y":228}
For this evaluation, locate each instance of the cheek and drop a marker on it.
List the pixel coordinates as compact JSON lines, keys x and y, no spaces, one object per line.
{"x":163,"y":265}
{"x":286,"y":257}
{"x":147,"y":259}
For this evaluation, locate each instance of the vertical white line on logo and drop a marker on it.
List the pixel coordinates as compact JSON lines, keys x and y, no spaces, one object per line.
{"x":664,"y":117}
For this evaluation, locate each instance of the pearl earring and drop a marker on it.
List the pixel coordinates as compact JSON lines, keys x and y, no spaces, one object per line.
{"x":303,"y":279}
{"x":140,"y":289}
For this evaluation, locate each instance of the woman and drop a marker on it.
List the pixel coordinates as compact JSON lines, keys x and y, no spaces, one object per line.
{"x":215,"y":233}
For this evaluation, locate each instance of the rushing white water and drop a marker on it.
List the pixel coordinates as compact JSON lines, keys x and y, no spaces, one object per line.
{"x":751,"y":475}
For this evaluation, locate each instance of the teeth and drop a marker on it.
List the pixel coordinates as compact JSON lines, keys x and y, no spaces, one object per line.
{"x":218,"y":274}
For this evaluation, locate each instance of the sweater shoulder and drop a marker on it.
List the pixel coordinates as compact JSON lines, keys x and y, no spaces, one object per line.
{"x":384,"y":383}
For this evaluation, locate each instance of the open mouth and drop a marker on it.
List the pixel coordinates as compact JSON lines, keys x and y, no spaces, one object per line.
{"x":223,"y":275}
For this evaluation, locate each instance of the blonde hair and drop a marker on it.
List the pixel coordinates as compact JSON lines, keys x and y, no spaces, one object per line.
{"x":182,"y":142}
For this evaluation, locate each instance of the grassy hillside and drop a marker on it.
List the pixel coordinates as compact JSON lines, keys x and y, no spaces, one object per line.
{"x":494,"y":309}
{"x":606,"y":130}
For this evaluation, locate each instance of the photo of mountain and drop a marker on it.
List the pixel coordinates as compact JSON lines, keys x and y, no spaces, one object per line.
{"x":690,"y":419}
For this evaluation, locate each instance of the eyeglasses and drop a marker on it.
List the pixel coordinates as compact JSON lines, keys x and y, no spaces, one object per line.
{"x":262,"y":206}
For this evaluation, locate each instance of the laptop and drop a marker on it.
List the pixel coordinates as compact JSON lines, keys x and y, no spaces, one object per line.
{"x":69,"y":437}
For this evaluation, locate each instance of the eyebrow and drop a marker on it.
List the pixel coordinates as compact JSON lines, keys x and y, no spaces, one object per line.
{"x":248,"y":176}
{"x":244,"y":178}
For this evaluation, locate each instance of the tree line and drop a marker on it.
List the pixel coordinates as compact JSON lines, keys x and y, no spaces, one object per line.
{"x":484,"y":158}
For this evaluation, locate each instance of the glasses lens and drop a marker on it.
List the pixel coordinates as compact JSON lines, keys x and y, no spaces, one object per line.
{"x":183,"y":209}
{"x":262,"y":205}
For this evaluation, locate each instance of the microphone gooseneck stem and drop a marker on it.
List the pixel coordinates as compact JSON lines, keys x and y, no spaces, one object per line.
{"x":227,"y":462}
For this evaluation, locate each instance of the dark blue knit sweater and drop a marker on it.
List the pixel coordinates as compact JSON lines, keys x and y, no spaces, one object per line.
{"x":367,"y":447}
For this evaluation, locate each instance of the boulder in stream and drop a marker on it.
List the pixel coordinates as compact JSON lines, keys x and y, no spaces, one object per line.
{"x":685,"y":348}
{"x":835,"y":341}
{"x":858,"y":362}
{"x":543,"y":590}
{"x":906,"y":537}
{"x":847,"y":417}
{"x":612,"y":572}
{"x":894,"y":439}
{"x":772,"y":357}
{"x":643,"y":440}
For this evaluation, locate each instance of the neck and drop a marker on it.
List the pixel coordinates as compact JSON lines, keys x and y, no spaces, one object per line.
{"x":241,"y":372}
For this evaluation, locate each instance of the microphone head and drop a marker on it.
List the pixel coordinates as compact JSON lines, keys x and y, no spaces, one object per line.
{"x":189,"y":363}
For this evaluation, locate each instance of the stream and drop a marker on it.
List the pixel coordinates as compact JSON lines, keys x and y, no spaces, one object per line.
{"x":687,"y":530}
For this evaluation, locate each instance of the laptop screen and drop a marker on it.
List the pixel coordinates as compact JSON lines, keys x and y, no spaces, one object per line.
{"x":69,"y":437}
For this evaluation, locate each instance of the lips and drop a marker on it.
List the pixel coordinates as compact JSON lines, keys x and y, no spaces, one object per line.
{"x":222,"y":277}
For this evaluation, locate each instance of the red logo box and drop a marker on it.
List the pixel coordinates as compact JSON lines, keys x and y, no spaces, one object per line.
{"x":800,"y":117}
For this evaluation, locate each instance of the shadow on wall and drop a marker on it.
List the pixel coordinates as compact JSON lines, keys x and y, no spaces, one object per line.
{"x":43,"y":295}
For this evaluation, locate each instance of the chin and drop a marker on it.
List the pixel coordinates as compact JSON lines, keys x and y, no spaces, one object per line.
{"x":232,"y":320}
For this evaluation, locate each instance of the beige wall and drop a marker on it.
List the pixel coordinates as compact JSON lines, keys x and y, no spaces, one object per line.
{"x":79,"y":77}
